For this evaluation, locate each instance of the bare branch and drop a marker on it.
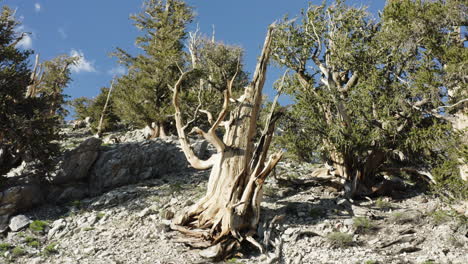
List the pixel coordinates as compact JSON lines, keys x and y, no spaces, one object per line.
{"x":35,"y":79}
{"x":195,"y":114}
{"x":351,"y":82}
{"x":227,"y":96}
{"x":208,"y":114}
{"x":183,"y":139}
{"x":450,"y":106}
{"x":261,"y":151}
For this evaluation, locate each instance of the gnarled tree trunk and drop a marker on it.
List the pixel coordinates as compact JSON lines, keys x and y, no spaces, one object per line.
{"x":230,"y":210}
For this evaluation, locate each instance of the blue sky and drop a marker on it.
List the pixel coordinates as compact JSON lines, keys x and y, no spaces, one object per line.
{"x":94,"y":28}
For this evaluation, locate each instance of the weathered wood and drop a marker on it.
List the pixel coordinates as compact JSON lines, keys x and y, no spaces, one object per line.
{"x":230,"y":210}
{"x":99,"y":128}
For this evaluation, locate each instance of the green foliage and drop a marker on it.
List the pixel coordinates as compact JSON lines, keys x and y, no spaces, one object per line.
{"x":379,"y":102}
{"x":439,"y":217}
{"x":214,"y":64}
{"x":29,"y":118}
{"x":448,"y":182}
{"x":54,"y":80}
{"x":382,"y":204}
{"x":404,"y":217}
{"x":50,"y":249}
{"x":363,"y":224}
{"x":32,"y":242}
{"x":86,"y":107}
{"x":142,"y":96}
{"x":338,"y":239}
{"x":429,"y":262}
{"x":38,"y":226}
{"x":18,"y":252}
{"x":4,"y":247}
{"x":100,"y":215}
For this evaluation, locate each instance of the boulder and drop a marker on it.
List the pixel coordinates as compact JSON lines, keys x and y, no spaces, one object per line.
{"x":19,"y":222}
{"x":134,"y":136}
{"x":76,"y":163}
{"x":129,"y":163}
{"x":72,"y":193}
{"x":200,"y":148}
{"x":3,"y":223}
{"x":20,"y":193}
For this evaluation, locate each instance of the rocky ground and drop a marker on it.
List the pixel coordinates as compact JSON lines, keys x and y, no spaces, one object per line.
{"x":131,"y":225}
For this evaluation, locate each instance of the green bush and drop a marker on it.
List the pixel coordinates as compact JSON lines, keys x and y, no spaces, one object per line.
{"x":18,"y":252}
{"x":363,"y":224}
{"x":38,"y":226}
{"x":4,"y":247}
{"x":382,"y":204}
{"x":338,"y":239}
{"x":50,"y":249}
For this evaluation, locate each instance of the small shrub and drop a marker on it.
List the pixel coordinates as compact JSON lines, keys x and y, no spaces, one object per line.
{"x":100,"y":215}
{"x":456,"y":242}
{"x":34,"y":244}
{"x":363,"y":224}
{"x":18,"y":252}
{"x":233,"y":260}
{"x":382,"y":204}
{"x":76,"y":203}
{"x":50,"y":249}
{"x":176,"y":188}
{"x":371,"y":262}
{"x":338,"y":239}
{"x":32,"y":241}
{"x":270,"y":191}
{"x":405,"y":217}
{"x":38,"y":226}
{"x":88,"y":228}
{"x":440,"y":217}
{"x":5,"y":247}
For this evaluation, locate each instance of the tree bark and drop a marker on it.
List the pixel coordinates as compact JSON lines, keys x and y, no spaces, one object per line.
{"x":230,"y":210}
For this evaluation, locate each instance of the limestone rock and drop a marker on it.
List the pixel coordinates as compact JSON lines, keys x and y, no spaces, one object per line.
{"x":76,"y":163}
{"x":129,"y":163}
{"x":19,"y":222}
{"x":19,"y":193}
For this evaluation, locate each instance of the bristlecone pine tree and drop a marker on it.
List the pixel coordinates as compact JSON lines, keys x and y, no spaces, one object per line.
{"x":31,"y":102}
{"x":142,"y":96}
{"x":230,"y":210}
{"x":216,"y":63}
{"x":94,"y":108}
{"x":372,"y":95}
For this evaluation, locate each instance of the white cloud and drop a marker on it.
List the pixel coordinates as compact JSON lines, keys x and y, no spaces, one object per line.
{"x":83,"y":65}
{"x":62,"y":33}
{"x":119,"y":70}
{"x":37,"y":7}
{"x":26,"y":42}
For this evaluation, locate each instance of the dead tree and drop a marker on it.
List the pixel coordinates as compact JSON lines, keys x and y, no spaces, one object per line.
{"x":36,"y":79}
{"x":99,"y":128}
{"x":229,"y":212}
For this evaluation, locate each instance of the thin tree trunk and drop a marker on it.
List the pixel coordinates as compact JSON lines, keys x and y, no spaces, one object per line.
{"x":99,"y":129}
